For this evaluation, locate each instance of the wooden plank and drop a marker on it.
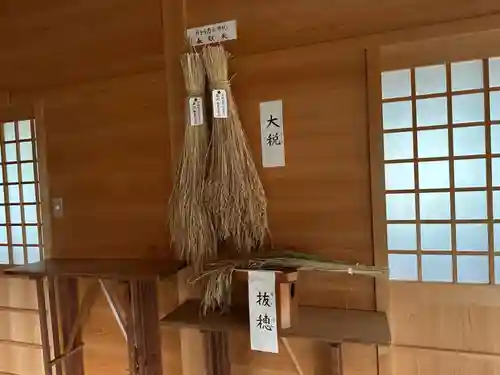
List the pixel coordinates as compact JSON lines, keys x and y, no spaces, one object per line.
{"x":284,"y":276}
{"x":21,"y":360}
{"x":18,"y":309}
{"x":103,"y":268}
{"x":44,"y":330}
{"x":20,"y":326}
{"x":489,"y":171}
{"x":54,"y":320}
{"x":68,"y":311}
{"x":413,"y":361}
{"x":144,"y":330}
{"x":323,"y":324}
{"x":20,"y":344}
{"x":459,"y":47}
{"x":321,"y":20}
{"x":193,"y":350}
{"x":130,"y":162}
{"x":6,"y":197}
{"x":129,"y":41}
{"x":359,"y":359}
{"x":217,"y":353}
{"x":427,"y":315}
{"x":379,"y":230}
{"x":336,"y":360}
{"x":45,"y":211}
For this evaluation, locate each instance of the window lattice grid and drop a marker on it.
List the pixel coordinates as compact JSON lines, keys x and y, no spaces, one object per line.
{"x":441,"y":128}
{"x":20,"y":210}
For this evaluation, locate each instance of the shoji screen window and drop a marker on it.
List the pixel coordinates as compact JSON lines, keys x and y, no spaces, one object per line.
{"x":20,"y":214}
{"x":441,"y":128}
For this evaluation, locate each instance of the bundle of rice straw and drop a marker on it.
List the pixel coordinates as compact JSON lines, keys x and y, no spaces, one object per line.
{"x":235,"y":193}
{"x":217,"y":276}
{"x":190,"y":225}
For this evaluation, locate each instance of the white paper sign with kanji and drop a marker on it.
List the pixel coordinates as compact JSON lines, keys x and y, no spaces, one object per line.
{"x":195,"y":105}
{"x":272,"y":134}
{"x":219,"y":103}
{"x":216,"y":33}
{"x":262,"y":311}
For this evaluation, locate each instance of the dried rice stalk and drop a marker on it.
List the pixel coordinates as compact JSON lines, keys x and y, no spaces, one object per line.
{"x":217,"y":276}
{"x":190,"y":225}
{"x":234,"y":191}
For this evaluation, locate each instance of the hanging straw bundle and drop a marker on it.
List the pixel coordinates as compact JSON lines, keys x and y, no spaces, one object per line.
{"x":190,"y":225}
{"x":235,"y":193}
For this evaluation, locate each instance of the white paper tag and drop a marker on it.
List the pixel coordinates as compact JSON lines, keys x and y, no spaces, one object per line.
{"x":272,"y":134}
{"x":195,"y":111}
{"x":219,"y":101}
{"x":262,"y":311}
{"x":216,"y":33}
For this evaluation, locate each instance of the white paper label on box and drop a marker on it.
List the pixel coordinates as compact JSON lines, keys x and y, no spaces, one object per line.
{"x":262,"y":311}
{"x":272,"y":134}
{"x":219,"y":101}
{"x":219,"y":32}
{"x":196,"y":111}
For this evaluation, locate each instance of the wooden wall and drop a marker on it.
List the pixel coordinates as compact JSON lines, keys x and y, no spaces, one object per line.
{"x":318,"y":203}
{"x":20,"y":343}
{"x":444,"y":329}
{"x":58,"y":42}
{"x":96,"y":72}
{"x":108,"y":157}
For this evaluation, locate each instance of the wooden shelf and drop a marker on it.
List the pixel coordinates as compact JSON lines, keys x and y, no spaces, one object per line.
{"x":122,"y":269}
{"x":316,"y":323}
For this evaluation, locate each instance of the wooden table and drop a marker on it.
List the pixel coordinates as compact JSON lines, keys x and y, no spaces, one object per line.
{"x":137,"y":314}
{"x":333,"y":326}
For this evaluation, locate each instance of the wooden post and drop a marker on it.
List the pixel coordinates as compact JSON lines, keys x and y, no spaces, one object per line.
{"x":217,"y":353}
{"x":67,"y":291}
{"x":44,"y":331}
{"x":336,"y":360}
{"x":145,"y":327}
{"x":54,"y":321}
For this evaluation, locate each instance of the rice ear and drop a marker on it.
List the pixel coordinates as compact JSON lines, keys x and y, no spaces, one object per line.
{"x":217,"y":276}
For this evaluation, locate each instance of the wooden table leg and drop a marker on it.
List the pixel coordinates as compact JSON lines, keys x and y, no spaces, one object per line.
{"x":292,"y":356}
{"x":115,"y":305}
{"x":336,"y":360}
{"x":67,"y":292}
{"x":217,"y":353}
{"x":54,"y":322}
{"x":144,"y":327}
{"x":44,"y":331}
